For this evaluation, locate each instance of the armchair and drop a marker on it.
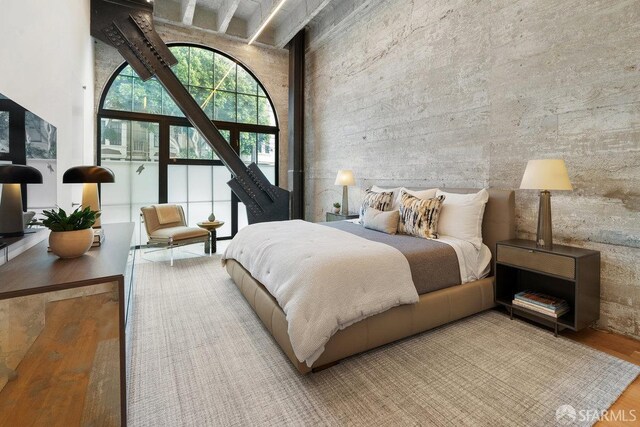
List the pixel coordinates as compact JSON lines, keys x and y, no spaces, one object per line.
{"x":166,"y":226}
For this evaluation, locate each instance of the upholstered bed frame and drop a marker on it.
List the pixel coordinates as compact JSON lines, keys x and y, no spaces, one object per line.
{"x":432,"y":310}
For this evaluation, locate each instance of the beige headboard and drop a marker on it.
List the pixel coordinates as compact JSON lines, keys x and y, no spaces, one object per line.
{"x":499,"y":221}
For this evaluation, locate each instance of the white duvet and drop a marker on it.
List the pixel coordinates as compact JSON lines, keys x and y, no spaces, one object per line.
{"x":323,"y":279}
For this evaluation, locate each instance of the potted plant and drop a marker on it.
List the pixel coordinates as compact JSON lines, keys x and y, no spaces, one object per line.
{"x":336,"y":207}
{"x":71,"y":235}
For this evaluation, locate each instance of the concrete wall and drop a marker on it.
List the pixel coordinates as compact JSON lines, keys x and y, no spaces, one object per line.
{"x":271,"y":67}
{"x":47,"y":67}
{"x":463,"y":93}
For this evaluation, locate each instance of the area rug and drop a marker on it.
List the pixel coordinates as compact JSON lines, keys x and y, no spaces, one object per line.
{"x":201,"y":357}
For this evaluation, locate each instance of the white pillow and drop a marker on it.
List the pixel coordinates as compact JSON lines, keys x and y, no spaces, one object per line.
{"x":385,"y":221}
{"x":461,"y":216}
{"x":422,"y":194}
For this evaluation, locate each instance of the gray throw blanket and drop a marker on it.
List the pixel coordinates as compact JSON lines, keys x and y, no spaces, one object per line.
{"x":434,"y":265}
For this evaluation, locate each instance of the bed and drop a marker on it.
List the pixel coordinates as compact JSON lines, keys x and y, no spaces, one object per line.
{"x":436,"y":304}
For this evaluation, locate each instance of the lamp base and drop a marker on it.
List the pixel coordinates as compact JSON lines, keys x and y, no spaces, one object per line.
{"x":90,"y":199}
{"x":11,"y":219}
{"x":544,"y":238}
{"x":345,"y":200}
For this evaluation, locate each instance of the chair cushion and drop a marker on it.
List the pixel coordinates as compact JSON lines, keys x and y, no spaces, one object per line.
{"x":167,"y":214}
{"x":179,"y":233}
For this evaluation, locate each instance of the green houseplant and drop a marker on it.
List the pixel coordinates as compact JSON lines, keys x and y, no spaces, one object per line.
{"x":336,"y":207}
{"x":71,"y":235}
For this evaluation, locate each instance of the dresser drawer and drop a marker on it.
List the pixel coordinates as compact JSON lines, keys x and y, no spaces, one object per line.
{"x":559,"y":265}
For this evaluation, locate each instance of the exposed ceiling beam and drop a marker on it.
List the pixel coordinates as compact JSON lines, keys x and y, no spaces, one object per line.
{"x":187,"y":10}
{"x":225,"y":13}
{"x":339,"y":14}
{"x":299,"y":17}
{"x":261,"y":16}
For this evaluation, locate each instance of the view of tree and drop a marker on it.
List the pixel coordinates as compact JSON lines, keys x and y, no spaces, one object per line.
{"x":225,"y":90}
{"x":186,"y":143}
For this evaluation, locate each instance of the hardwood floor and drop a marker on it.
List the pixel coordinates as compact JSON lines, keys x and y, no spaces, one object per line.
{"x":88,"y":323}
{"x":624,"y":348}
{"x":61,"y":381}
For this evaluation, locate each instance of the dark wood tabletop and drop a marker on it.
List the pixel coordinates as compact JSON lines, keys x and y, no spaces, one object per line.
{"x":569,"y":251}
{"x":36,"y":270}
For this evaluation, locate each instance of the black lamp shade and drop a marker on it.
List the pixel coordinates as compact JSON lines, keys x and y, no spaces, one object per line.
{"x":19,"y":174}
{"x":88,"y":174}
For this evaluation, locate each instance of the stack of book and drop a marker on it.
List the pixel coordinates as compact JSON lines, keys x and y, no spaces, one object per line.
{"x":541,"y":303}
{"x":98,"y":237}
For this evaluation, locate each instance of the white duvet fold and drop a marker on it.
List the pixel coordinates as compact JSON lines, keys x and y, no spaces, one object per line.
{"x":323,"y":279}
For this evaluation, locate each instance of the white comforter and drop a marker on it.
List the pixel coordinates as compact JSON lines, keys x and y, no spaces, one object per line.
{"x":323,"y":279}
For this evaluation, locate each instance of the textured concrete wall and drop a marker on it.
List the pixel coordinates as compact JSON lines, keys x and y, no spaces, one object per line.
{"x":270,"y":66}
{"x":463,"y":93}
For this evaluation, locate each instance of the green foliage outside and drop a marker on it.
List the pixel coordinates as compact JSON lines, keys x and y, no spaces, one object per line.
{"x":223,"y":89}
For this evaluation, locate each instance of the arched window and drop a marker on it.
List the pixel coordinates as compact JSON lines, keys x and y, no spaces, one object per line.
{"x":158,"y":157}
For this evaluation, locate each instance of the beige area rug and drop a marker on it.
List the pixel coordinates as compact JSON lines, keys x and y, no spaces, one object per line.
{"x":201,"y":357}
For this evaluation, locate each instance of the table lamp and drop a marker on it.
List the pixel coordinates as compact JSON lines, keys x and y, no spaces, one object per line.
{"x":11,"y":178}
{"x":545,"y":175}
{"x":345,"y":178}
{"x":90,"y":177}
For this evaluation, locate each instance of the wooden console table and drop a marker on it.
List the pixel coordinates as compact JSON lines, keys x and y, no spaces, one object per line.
{"x":63,"y":334}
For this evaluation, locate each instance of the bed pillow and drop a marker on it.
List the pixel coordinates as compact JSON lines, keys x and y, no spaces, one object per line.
{"x":419,"y":217}
{"x":461,"y":216}
{"x":395,"y":191}
{"x":380,"y":201}
{"x":387,"y":222}
{"x":420,"y":194}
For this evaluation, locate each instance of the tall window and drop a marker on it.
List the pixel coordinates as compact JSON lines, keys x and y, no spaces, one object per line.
{"x":158,"y":157}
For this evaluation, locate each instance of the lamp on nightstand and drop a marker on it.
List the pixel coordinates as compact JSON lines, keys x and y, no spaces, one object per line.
{"x":345,"y":178}
{"x":545,"y":175}
{"x":11,"y":178}
{"x":90,"y":177}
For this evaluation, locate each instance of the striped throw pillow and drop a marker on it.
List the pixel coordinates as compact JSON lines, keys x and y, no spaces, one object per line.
{"x":419,"y":217}
{"x":381,"y":201}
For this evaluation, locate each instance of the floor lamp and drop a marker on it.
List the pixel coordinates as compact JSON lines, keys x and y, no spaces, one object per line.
{"x":90,"y":177}
{"x":12,"y":177}
{"x":545,"y":175}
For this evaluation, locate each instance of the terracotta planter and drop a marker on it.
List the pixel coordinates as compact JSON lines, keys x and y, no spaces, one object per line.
{"x":71,"y":244}
{"x":336,"y":210}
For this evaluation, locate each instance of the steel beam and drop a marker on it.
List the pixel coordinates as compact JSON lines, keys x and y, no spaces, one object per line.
{"x":127,"y":25}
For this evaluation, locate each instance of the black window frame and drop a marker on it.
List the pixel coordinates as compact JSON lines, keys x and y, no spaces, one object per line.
{"x":165,"y":122}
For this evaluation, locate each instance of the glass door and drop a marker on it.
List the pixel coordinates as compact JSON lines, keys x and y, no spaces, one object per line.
{"x":130,"y":149}
{"x":197,"y":179}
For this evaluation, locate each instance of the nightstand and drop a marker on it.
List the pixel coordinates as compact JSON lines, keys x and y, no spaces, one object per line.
{"x":572,"y":274}
{"x":339,"y":217}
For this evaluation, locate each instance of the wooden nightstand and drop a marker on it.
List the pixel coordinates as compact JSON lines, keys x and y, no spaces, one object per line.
{"x":572,"y":274}
{"x":339,"y":217}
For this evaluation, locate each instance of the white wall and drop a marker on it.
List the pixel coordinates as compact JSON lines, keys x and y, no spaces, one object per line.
{"x":46,"y":55}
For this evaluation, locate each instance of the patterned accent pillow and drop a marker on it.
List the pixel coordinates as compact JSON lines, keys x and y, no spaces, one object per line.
{"x":419,"y":217}
{"x":381,"y":201}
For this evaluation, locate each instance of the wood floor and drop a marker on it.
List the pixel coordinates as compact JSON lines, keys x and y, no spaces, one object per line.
{"x":67,"y":376}
{"x":623,"y":348}
{"x":90,"y":328}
